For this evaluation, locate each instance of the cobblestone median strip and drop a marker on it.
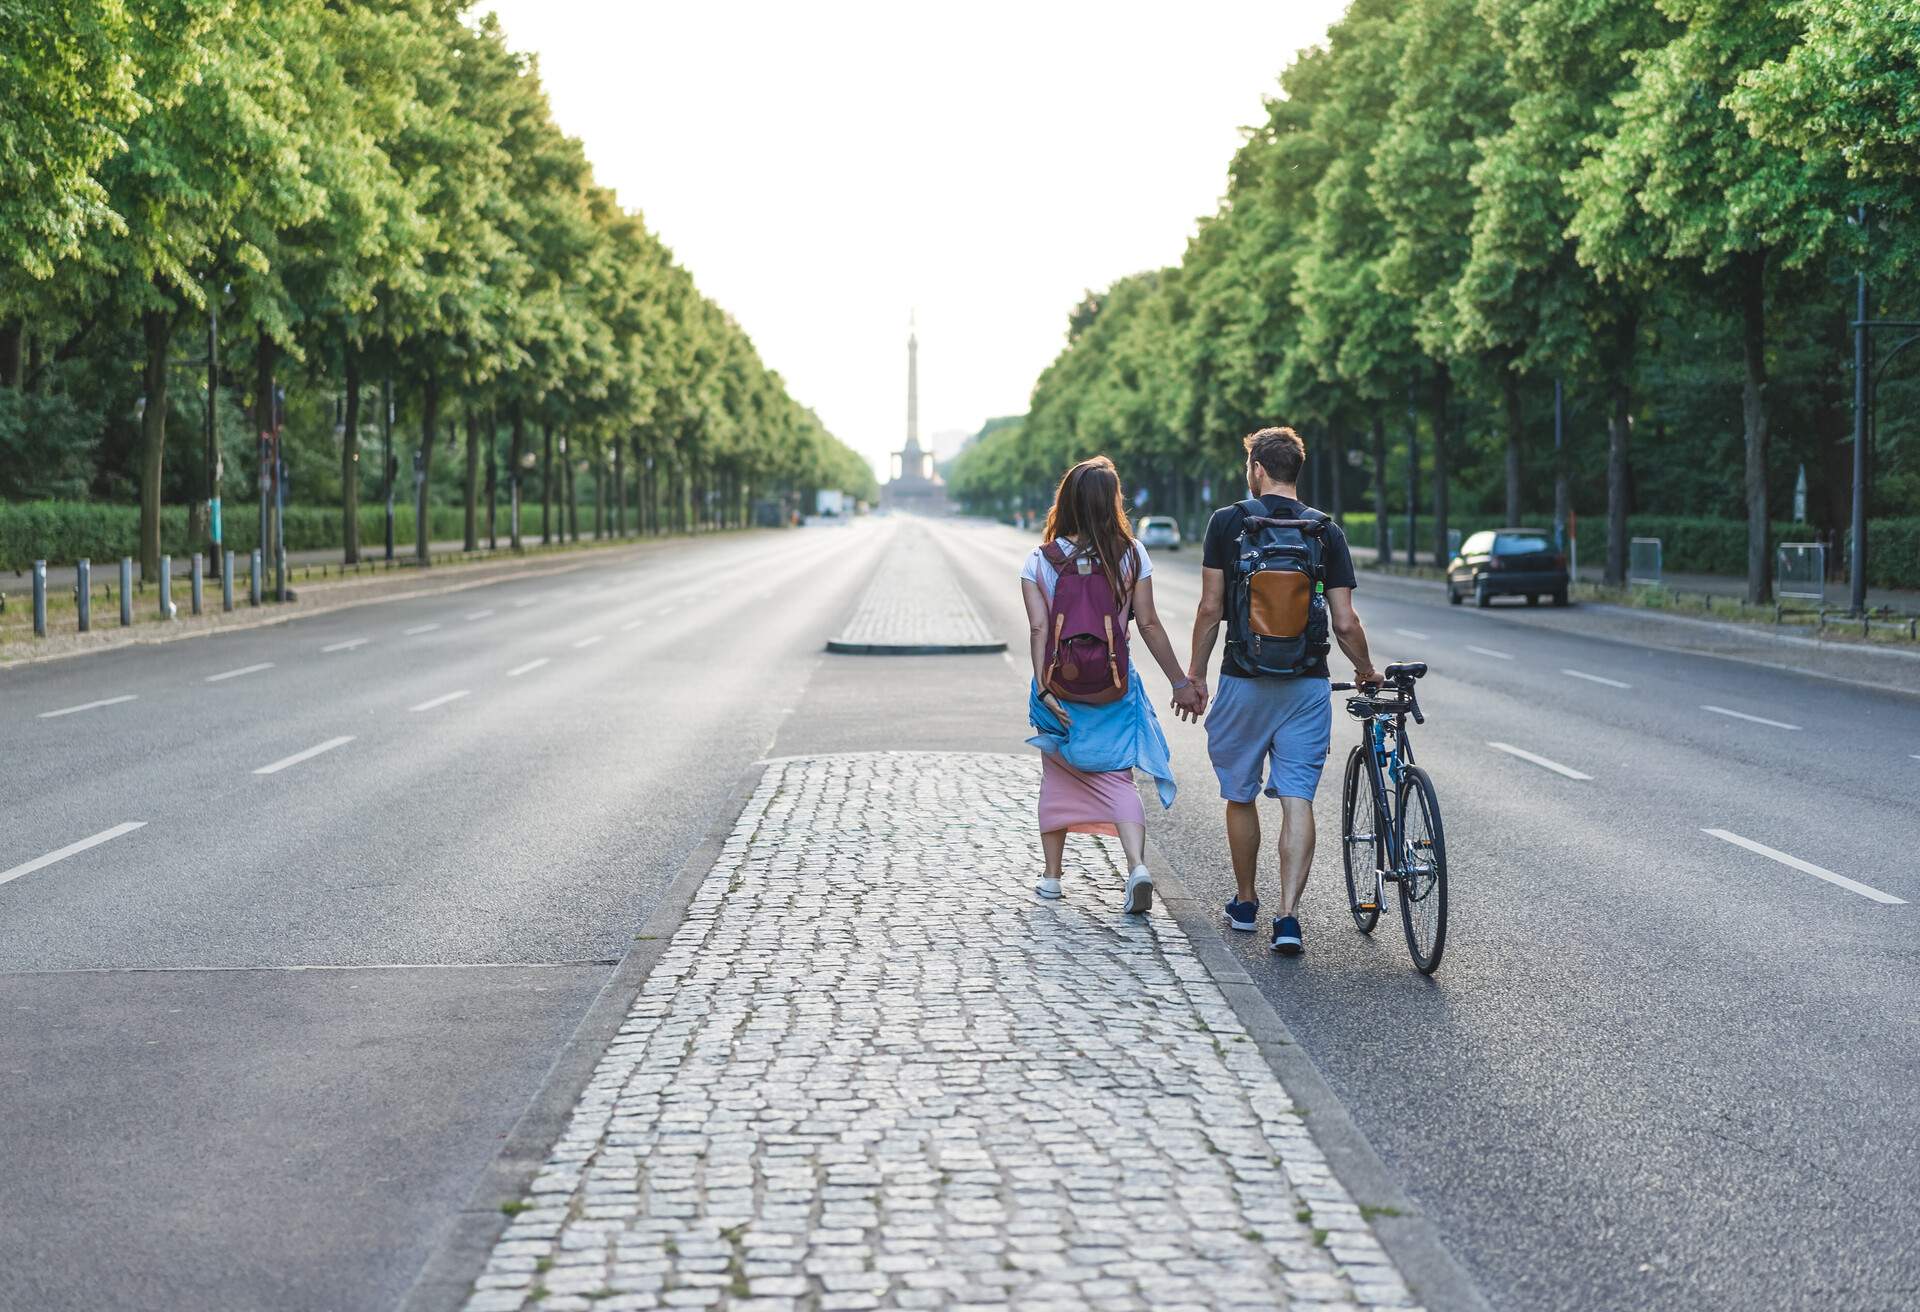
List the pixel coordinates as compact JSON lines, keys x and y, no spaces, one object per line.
{"x":914,"y":606}
{"x":872,"y":1070}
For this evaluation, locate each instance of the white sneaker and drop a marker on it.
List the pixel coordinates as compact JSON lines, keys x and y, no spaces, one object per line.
{"x":1048,"y":889}
{"x":1139,"y":891}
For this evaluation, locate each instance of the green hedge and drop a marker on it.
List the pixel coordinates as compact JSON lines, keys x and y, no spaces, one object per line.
{"x":61,"y":532}
{"x":1688,"y":544}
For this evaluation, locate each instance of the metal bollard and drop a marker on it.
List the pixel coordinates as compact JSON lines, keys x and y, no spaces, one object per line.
{"x":199,"y":581}
{"x":39,"y":598}
{"x":226,"y":584}
{"x":83,"y":593}
{"x":167,"y":608}
{"x":253,"y":583}
{"x":126,"y":592}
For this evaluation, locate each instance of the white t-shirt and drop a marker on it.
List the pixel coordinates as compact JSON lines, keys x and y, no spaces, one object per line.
{"x":1041,"y":570}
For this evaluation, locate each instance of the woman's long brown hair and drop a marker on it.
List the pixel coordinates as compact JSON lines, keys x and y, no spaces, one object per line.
{"x":1088,"y":507}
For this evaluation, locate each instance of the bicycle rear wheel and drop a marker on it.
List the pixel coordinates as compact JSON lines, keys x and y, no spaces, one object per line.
{"x":1362,"y":857}
{"x":1423,"y":871}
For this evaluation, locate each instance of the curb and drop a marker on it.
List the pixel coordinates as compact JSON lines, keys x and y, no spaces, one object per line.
{"x":1410,"y":1238}
{"x":913,"y":649}
{"x":445,"y":1282}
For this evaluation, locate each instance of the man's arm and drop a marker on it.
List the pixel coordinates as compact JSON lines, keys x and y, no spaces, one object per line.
{"x":1348,"y":633}
{"x":1206,"y":623}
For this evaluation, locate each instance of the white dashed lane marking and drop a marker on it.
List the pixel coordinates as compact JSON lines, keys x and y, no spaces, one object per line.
{"x":307,"y":755}
{"x":478,"y":615}
{"x":588,"y":642}
{"x":1488,"y":651}
{"x":71,"y":849}
{"x":532,"y":665}
{"x":1595,"y":678}
{"x":1807,"y":867}
{"x":1415,"y":634}
{"x":1752,"y":719}
{"x":421,"y":628}
{"x":244,"y":669}
{"x":89,"y":706}
{"x":441,"y":700}
{"x":1540,"y":761}
{"x":348,"y":645}
{"x":631,"y":625}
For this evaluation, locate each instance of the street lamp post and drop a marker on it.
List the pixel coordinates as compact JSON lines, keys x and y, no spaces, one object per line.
{"x":386,"y":424}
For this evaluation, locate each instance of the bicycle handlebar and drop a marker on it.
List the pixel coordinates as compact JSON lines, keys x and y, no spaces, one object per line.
{"x":1406,"y":703}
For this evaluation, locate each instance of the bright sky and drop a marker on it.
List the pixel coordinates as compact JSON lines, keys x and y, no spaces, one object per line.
{"x":823,"y":169}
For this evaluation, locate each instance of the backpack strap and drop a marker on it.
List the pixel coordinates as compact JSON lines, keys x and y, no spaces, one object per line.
{"x":1055,"y":557}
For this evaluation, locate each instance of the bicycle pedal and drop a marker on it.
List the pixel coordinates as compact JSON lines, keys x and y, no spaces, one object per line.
{"x":1368,"y":906}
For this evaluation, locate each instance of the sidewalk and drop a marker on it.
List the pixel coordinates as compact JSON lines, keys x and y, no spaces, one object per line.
{"x":871,"y":1069}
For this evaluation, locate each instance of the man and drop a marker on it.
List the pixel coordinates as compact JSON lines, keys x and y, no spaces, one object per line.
{"x":1283,"y":725}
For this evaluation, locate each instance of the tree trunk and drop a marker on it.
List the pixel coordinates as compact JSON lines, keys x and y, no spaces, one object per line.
{"x":350,"y":457}
{"x":429,"y":436}
{"x":620,"y":487}
{"x":13,"y":341}
{"x":157,"y":326}
{"x":1380,"y":528}
{"x":546,"y":488}
{"x":1619,"y":429}
{"x":1510,"y":393}
{"x":472,"y":542}
{"x":1751,"y":269}
{"x":599,"y":500}
{"x":1442,"y":393}
{"x":266,"y":355}
{"x":1337,"y":451}
{"x":518,"y":449}
{"x":568,"y":475}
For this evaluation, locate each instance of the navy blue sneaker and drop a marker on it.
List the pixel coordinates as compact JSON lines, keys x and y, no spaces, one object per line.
{"x":1243,"y":915}
{"x":1286,"y":936}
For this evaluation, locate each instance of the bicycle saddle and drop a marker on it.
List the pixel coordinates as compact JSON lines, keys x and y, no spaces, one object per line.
{"x":1406,"y":669}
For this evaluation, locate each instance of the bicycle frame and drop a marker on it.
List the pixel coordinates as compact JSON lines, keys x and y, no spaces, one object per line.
{"x":1389,"y":753}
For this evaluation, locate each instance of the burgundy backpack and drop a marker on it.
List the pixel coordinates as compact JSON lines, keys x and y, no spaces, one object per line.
{"x":1087,"y":640}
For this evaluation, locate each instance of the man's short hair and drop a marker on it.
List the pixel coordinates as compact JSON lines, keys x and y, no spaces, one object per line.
{"x":1280,"y":452}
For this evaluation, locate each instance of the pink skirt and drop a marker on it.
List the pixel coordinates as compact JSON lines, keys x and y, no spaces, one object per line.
{"x":1086,"y":803}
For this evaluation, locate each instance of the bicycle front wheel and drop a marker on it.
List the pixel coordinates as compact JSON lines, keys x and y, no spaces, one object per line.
{"x":1423,"y":871}
{"x":1360,"y":852}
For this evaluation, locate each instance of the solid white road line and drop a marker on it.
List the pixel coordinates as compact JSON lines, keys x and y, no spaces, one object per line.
{"x":631,"y":625}
{"x":88,"y":706}
{"x":421,"y":628}
{"x":1415,"y":634}
{"x":441,"y":700}
{"x":1742,"y":715}
{"x":588,"y":642}
{"x":519,"y":670}
{"x":348,"y":645}
{"x":244,"y":669}
{"x":1540,"y":761}
{"x":478,"y":615}
{"x":307,"y":755}
{"x":1488,"y":651}
{"x":1807,"y":867}
{"x":41,"y":863}
{"x":1595,"y":678}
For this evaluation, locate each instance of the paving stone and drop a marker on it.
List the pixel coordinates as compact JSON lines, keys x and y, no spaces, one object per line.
{"x":814,"y":1104}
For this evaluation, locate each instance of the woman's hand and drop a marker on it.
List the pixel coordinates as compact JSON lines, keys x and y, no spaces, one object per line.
{"x":1052,"y":703}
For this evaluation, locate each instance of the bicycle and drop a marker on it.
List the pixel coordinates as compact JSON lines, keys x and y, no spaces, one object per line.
{"x":1409,"y":849}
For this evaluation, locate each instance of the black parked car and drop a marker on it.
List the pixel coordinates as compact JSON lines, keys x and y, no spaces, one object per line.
{"x":1508,"y":562}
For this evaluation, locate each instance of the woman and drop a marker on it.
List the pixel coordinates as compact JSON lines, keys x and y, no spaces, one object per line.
{"x":1089,"y":751}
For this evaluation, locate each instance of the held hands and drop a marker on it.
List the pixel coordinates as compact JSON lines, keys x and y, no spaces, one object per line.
{"x":1190,"y":700}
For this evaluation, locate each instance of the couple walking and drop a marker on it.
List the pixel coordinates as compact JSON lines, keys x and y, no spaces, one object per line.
{"x":1279,"y":575}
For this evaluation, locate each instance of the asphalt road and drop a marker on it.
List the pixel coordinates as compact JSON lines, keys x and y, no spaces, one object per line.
{"x":1657,"y":1070}
{"x":258,"y":1051}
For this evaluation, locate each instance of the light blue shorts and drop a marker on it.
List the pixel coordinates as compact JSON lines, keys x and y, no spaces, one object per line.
{"x":1282,"y":725}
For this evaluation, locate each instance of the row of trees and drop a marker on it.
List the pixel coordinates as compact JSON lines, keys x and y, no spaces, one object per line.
{"x":334,"y":199}
{"x":1458,"y":206}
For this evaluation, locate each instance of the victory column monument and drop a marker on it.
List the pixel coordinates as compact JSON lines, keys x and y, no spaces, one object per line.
{"x":914,"y":486}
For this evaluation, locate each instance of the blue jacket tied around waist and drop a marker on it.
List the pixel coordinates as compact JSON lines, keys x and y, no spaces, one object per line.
{"x":1121,"y":735}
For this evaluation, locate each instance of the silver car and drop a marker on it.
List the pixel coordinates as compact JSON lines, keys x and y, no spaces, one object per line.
{"x":1157,"y":531}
